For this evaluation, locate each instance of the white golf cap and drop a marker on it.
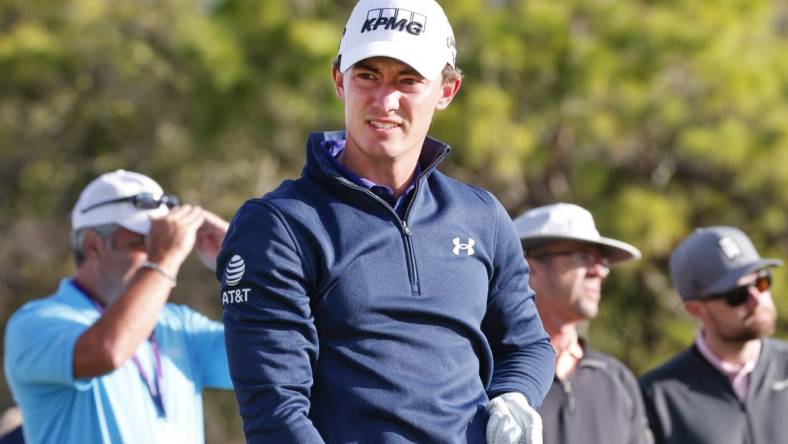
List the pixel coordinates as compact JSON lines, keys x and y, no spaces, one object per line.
{"x":563,"y":221}
{"x":112,"y":186}
{"x":415,"y":32}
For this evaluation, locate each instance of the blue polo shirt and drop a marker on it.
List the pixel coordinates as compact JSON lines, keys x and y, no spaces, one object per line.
{"x":116,"y":407}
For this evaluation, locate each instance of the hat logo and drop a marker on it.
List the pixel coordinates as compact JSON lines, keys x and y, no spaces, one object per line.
{"x":395,"y":19}
{"x":234,"y":271}
{"x":730,"y":248}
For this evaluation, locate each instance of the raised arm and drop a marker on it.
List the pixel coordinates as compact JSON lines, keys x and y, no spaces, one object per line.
{"x":113,"y":339}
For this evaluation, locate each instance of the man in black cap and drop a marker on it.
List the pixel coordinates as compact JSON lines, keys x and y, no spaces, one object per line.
{"x":730,"y":386}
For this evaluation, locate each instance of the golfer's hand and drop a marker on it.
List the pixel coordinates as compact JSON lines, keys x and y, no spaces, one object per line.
{"x":513,"y":421}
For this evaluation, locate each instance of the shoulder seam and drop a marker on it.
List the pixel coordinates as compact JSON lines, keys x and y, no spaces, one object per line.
{"x":277,"y":213}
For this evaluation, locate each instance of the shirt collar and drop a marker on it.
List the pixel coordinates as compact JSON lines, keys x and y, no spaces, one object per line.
{"x":69,"y":294}
{"x":728,"y":368}
{"x":334,"y":149}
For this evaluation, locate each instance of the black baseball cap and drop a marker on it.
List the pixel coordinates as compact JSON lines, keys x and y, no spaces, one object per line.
{"x":712,"y":260}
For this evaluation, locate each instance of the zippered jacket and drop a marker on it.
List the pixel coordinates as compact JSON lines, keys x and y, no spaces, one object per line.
{"x":689,"y":401}
{"x":347,"y":323}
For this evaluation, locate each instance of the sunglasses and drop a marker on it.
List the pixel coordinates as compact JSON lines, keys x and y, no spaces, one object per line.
{"x":581,"y":258}
{"x":148,"y":201}
{"x":739,"y":295}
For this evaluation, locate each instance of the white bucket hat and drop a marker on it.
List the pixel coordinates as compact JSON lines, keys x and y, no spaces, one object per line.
{"x":102,"y":202}
{"x":563,"y":221}
{"x":415,"y":32}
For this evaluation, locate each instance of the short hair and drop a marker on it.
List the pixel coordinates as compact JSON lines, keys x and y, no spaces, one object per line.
{"x":105,"y":232}
{"x":449,"y":73}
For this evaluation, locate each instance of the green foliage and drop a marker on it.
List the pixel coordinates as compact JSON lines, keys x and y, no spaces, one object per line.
{"x":658,"y":116}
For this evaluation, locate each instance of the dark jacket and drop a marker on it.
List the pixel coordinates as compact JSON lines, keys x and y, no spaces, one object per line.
{"x":350,"y":324}
{"x":689,"y":401}
{"x":599,"y":404}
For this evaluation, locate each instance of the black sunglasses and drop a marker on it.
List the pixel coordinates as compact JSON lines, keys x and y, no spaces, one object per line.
{"x":739,"y":295}
{"x":582,"y":258}
{"x":146,"y":201}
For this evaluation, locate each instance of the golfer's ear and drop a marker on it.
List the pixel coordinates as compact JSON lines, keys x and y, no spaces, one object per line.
{"x":448,"y":91}
{"x":339,"y":82}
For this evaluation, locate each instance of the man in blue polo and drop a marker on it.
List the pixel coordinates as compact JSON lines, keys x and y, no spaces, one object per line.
{"x":374,"y":299}
{"x":105,"y":359}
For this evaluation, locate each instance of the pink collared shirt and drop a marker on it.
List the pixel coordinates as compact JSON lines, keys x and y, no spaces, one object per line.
{"x":739,"y":375}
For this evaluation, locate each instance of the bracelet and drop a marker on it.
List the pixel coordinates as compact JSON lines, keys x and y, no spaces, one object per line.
{"x":158,"y":268}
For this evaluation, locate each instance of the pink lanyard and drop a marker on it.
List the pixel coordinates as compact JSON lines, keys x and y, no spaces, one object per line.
{"x":154,"y":387}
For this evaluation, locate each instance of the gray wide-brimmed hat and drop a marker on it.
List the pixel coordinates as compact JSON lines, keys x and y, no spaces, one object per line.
{"x":563,"y":221}
{"x":712,"y":260}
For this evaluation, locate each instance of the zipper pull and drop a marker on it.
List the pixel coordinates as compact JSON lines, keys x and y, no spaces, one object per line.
{"x":406,"y":228}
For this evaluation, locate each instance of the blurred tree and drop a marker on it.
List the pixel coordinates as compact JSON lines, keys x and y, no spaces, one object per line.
{"x":658,"y":116}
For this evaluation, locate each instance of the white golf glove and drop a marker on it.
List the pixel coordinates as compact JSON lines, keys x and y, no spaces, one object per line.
{"x":513,"y":421}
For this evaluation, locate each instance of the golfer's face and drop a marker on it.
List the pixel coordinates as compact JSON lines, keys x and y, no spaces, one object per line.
{"x":388,"y":107}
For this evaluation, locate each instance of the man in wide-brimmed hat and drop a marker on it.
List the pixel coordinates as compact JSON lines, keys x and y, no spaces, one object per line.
{"x":594,"y":398}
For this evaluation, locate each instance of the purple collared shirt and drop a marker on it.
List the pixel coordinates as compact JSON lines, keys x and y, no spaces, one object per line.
{"x":334,"y":149}
{"x":738,"y":375}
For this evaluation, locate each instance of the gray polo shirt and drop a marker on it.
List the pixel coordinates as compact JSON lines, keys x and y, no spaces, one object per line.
{"x":599,"y":404}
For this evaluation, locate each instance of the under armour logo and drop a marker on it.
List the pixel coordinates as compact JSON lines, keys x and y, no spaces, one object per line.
{"x":460,"y":246}
{"x":780,"y":385}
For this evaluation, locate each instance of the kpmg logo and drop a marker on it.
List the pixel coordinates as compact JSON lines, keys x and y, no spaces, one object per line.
{"x":395,"y":19}
{"x":458,"y":246}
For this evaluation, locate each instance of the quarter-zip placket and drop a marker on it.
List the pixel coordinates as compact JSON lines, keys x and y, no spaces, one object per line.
{"x":415,"y":284}
{"x":410,"y":256}
{"x":405,"y":230}
{"x":413,"y":272}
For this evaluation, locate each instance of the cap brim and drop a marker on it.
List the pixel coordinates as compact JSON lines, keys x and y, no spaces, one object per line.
{"x":614,"y":250}
{"x":139,"y":222}
{"x":730,"y":279}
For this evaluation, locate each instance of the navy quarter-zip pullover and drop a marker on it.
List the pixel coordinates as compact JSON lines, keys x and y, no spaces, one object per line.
{"x":348,"y":323}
